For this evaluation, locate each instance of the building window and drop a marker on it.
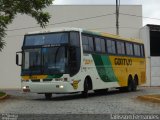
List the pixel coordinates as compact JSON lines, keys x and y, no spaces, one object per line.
{"x":111,"y":47}
{"x":154,"y":42}
{"x":129,"y":49}
{"x":120,"y":48}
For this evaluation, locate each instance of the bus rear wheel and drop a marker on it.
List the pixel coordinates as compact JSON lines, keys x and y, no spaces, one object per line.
{"x":130,"y":87}
{"x":48,"y":96}
{"x":132,"y":84}
{"x":134,"y":88}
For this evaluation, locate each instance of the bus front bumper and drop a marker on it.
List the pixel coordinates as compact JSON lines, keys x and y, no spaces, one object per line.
{"x":48,"y":87}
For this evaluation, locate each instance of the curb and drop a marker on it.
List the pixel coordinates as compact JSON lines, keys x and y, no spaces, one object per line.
{"x":150,"y":98}
{"x":3,"y":97}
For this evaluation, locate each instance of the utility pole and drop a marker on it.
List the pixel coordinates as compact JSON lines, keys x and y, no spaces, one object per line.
{"x":117,"y":16}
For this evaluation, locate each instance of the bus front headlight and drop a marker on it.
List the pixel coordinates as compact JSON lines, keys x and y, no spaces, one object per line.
{"x":61,"y":86}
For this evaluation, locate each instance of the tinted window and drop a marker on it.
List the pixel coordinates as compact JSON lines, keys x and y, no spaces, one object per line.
{"x":90,"y":41}
{"x":120,"y":48}
{"x":137,"y":50}
{"x":103,"y":45}
{"x":87,"y":43}
{"x":74,"y":38}
{"x":142,"y":51}
{"x":46,"y":39}
{"x":111,"y":46}
{"x":100,"y":45}
{"x":129,"y":49}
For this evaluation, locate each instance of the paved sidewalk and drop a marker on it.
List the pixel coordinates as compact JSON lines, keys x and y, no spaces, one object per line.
{"x":151,"y":98}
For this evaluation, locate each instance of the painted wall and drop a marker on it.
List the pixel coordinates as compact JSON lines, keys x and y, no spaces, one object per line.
{"x":152,"y":62}
{"x":145,"y":36}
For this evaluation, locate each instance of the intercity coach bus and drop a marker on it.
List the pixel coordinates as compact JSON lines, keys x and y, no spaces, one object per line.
{"x":71,"y":60}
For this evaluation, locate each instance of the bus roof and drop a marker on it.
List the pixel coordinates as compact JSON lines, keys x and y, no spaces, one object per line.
{"x":113,"y":36}
{"x":59,"y":29}
{"x":103,"y":34}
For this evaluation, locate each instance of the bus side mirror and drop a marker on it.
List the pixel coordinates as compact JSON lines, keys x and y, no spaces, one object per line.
{"x":17,"y":58}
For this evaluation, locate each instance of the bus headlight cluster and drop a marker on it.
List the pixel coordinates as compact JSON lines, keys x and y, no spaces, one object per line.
{"x":26,"y":89}
{"x":24,"y":80}
{"x":60,"y":86}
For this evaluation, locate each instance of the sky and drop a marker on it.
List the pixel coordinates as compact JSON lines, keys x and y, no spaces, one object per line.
{"x":151,"y":8}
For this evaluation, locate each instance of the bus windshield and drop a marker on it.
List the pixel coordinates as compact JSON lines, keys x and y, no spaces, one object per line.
{"x":54,"y":60}
{"x":50,"y":60}
{"x":46,"y":39}
{"x":50,"y":53}
{"x":32,"y":59}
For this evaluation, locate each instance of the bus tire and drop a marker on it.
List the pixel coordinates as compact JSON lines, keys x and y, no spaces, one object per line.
{"x":130,"y":84}
{"x":48,"y":96}
{"x":86,"y":88}
{"x":135,"y":83}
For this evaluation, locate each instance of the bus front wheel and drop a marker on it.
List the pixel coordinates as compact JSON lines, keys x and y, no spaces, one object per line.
{"x":86,"y":88}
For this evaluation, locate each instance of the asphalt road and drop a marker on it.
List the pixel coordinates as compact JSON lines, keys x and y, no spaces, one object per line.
{"x":112,"y":103}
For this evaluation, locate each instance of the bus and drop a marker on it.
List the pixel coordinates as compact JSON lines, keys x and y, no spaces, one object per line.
{"x":71,"y":60}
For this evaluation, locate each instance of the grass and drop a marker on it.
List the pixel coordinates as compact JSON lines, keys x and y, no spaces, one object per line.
{"x":2,"y":94}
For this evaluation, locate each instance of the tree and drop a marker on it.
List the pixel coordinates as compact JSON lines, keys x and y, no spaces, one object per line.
{"x":33,"y":8}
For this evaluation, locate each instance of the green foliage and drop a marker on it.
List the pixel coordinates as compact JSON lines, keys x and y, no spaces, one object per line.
{"x":2,"y":94}
{"x":33,"y":8}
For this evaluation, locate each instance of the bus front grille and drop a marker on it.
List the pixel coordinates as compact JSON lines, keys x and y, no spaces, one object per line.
{"x":47,"y":80}
{"x":35,"y":80}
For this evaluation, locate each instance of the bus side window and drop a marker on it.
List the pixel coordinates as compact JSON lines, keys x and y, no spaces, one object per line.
{"x":111,"y":48}
{"x":74,"y":53}
{"x":142,"y":51}
{"x":120,"y":48}
{"x":129,"y":49}
{"x":87,"y":42}
{"x":137,"y":51}
{"x":100,"y":45}
{"x":103,"y":49}
{"x":74,"y":39}
{"x":90,"y":42}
